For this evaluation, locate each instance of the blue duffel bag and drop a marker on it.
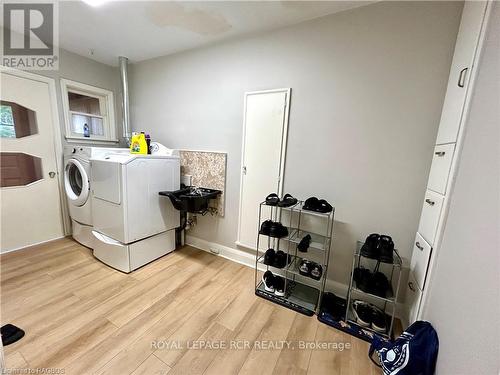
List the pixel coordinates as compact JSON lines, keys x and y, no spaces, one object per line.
{"x":413,"y":353}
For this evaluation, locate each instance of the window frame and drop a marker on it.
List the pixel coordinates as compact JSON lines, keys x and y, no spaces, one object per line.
{"x":106,"y":105}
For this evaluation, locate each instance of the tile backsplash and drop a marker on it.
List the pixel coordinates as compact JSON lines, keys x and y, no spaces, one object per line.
{"x":208,"y":170}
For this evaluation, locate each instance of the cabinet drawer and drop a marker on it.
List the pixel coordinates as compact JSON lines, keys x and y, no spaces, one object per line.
{"x":440,"y":169}
{"x":433,"y":202}
{"x":413,"y":298}
{"x":420,"y":260}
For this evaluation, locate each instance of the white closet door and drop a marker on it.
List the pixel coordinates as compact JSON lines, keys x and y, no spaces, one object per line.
{"x":460,"y":71}
{"x":264,"y":145}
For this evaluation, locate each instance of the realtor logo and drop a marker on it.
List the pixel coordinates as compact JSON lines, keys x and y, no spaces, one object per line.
{"x":30,"y":35}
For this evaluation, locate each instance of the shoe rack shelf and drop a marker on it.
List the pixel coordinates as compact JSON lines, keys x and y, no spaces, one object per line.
{"x":302,"y":293}
{"x":393,"y":273}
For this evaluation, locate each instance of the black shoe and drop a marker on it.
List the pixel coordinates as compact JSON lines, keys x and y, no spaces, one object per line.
{"x":380,"y":285}
{"x":363,"y":313}
{"x":370,"y":248}
{"x":265,"y":227}
{"x":11,"y":334}
{"x":323,"y":206}
{"x":362,"y":277}
{"x":304,"y":243}
{"x":287,"y":201}
{"x":311,"y":204}
{"x":316,"y":271}
{"x":268,"y":280}
{"x":379,"y":320}
{"x":270,"y":257}
{"x":305,"y":267}
{"x":272,"y":199}
{"x":386,"y":246}
{"x":281,"y":259}
{"x":278,"y":230}
{"x":279,"y":286}
{"x":333,"y":305}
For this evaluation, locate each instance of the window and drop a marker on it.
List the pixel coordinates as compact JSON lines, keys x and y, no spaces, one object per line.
{"x":89,"y":112}
{"x":16,"y":121}
{"x":19,"y":169}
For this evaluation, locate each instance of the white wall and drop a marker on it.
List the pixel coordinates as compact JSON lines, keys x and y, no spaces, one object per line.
{"x":367,"y":90}
{"x":464,"y":292}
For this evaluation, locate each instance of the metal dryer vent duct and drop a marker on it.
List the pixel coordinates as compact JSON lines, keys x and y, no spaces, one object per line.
{"x":123,"y":62}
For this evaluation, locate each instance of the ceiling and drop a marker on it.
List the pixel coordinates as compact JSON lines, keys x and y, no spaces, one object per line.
{"x":142,"y":30}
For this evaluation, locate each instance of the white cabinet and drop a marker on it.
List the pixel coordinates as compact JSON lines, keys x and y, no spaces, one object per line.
{"x":465,"y":48}
{"x":432,"y":219}
{"x":420,"y":260}
{"x":429,"y":218}
{"x":440,"y":169}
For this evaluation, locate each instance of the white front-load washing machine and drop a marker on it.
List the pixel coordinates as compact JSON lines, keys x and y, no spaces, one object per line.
{"x":77,"y":188}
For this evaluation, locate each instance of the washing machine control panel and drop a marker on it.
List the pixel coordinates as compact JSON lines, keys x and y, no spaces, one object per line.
{"x":81,"y":151}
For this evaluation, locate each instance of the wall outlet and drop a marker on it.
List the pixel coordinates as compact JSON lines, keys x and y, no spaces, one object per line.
{"x":186,"y":179}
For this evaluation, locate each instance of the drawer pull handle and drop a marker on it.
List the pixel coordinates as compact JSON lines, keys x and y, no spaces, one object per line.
{"x":428,"y":201}
{"x":410,"y":285}
{"x":461,"y":77}
{"x":417,"y":244}
{"x":440,"y":153}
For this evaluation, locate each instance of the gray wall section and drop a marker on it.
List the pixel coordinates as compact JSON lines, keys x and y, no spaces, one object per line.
{"x":90,"y":72}
{"x":464,"y":295}
{"x":367,"y":91}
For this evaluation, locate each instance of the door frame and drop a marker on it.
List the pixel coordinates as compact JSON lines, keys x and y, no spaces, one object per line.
{"x":284,"y":141}
{"x":56,"y":128}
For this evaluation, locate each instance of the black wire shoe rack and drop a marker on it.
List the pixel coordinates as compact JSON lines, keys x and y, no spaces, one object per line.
{"x":303,"y":293}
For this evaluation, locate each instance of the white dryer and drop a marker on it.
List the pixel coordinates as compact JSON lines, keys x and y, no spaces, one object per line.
{"x":133,"y":224}
{"x":77,"y":188}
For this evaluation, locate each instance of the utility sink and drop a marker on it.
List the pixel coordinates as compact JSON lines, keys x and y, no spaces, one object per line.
{"x":191,"y":199}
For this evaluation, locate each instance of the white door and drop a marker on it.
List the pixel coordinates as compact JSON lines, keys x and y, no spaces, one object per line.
{"x":30,"y":200}
{"x":263,"y":161}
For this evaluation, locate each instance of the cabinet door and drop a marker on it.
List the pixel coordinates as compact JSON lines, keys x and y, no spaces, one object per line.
{"x":420,"y":260}
{"x":460,"y":72}
{"x":429,"y":218}
{"x":440,"y":169}
{"x":413,"y":298}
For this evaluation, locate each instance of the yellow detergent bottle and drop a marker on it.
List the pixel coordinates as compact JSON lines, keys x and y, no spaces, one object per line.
{"x":138,"y":144}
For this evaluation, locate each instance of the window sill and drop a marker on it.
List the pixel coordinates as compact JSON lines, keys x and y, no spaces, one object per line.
{"x":90,"y":140}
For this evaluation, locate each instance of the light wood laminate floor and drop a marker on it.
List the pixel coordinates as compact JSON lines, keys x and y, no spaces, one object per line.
{"x":84,"y":317}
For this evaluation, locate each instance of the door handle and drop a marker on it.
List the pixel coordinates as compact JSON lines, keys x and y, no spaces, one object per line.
{"x":430,"y":202}
{"x":410,"y":285}
{"x":245,"y":170}
{"x":461,"y":77}
{"x":52,"y":174}
{"x":440,"y":153}
{"x":420,"y":247}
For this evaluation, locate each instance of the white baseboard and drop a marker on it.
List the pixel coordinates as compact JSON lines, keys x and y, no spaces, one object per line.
{"x":235,"y":255}
{"x":247,"y":259}
{"x":35,"y":244}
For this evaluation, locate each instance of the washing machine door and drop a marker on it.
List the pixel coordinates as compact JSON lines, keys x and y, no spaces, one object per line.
{"x":76,"y":182}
